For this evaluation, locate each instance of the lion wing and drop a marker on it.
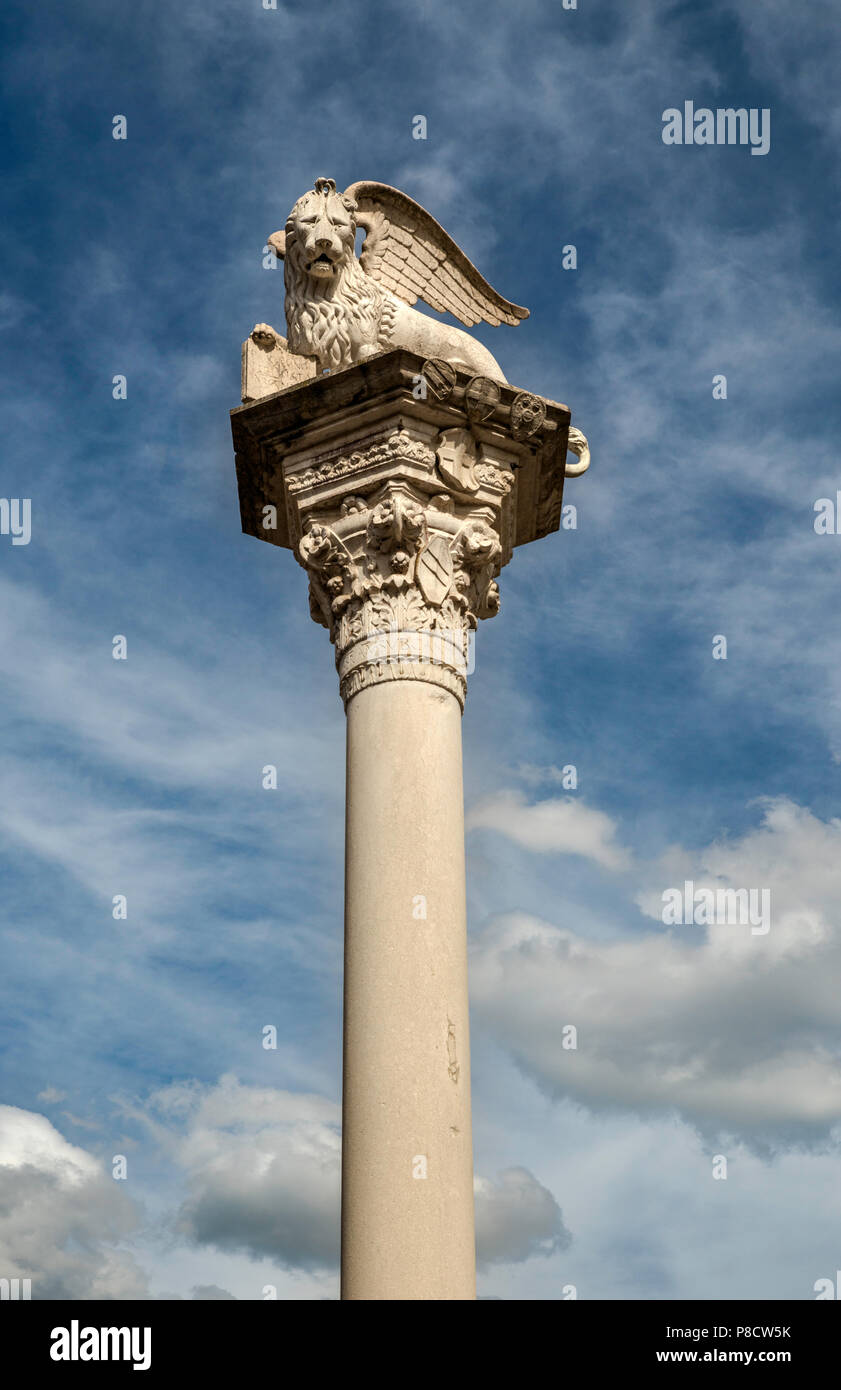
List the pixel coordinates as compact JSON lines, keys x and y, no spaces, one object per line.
{"x":409,"y":253}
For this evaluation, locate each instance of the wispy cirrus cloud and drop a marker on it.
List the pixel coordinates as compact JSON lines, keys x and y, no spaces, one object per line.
{"x":695,"y":519}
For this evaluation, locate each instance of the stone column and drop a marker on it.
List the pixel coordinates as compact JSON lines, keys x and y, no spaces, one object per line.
{"x":407,"y":1159}
{"x":402,"y":486}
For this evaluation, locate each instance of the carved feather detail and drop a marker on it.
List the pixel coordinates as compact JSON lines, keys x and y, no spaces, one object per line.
{"x":409,"y":253}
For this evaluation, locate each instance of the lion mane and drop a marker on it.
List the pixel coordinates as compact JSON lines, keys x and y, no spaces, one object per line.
{"x":324,"y":319}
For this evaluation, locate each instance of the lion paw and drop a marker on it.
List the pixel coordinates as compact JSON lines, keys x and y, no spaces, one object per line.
{"x":264,"y":335}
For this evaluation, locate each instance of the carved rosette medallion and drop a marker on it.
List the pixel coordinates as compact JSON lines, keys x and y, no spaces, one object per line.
{"x":399,"y":580}
{"x":528,"y":414}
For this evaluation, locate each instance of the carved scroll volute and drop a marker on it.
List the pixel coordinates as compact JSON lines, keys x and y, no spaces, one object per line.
{"x":478,"y":553}
{"x":332,"y":573}
{"x":577,"y":444}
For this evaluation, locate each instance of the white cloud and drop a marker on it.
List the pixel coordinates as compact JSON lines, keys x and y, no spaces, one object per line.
{"x":799,"y":59}
{"x":565,"y":826}
{"x":51,"y":1096}
{"x":63,"y":1219}
{"x":516,"y":1218}
{"x":262,"y":1168}
{"x":737,"y":1032}
{"x":671,"y":1015}
{"x":29,"y":1140}
{"x":263,"y":1172}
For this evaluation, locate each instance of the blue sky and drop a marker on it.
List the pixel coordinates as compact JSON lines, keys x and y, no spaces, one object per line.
{"x":143,"y":1037}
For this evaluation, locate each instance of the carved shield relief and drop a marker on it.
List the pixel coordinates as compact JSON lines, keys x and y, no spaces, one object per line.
{"x":457,"y":457}
{"x":434,"y":571}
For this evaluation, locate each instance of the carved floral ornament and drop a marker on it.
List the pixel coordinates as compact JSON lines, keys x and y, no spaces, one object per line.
{"x":398,"y":595}
{"x":393,"y":559}
{"x":458,"y":456}
{"x":388,"y":448}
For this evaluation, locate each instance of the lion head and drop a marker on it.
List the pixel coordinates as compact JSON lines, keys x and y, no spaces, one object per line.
{"x":320,"y":231}
{"x":331,"y":304}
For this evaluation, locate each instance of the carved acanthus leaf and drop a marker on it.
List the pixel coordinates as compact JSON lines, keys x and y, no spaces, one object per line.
{"x":397,"y":525}
{"x":392,"y":578}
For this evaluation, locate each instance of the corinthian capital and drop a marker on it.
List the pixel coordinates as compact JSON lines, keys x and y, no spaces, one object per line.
{"x":402,"y":504}
{"x":400,"y":579}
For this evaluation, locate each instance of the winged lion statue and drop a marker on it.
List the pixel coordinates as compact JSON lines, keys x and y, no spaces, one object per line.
{"x":341,"y":310}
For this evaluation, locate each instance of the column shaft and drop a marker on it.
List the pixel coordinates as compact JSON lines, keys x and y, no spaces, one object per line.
{"x":407,"y":1158}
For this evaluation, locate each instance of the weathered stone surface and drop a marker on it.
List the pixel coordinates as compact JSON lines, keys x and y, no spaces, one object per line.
{"x":407,"y":1157}
{"x":528,"y":413}
{"x":403,"y":505}
{"x":343,"y":310}
{"x":577,"y":444}
{"x":268,"y":365}
{"x":403,"y":510}
{"x":458,"y":454}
